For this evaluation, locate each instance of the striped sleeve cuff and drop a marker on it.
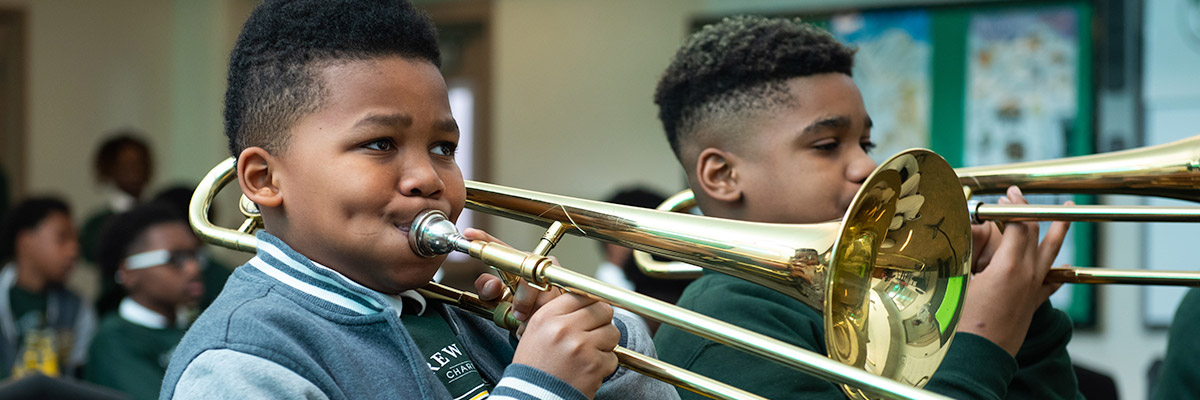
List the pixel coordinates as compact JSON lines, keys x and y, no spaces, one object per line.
{"x":522,"y":382}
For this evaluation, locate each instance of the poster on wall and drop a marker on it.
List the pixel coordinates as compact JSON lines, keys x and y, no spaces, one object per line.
{"x":1022,"y":85}
{"x":1022,"y":100}
{"x":891,"y":69}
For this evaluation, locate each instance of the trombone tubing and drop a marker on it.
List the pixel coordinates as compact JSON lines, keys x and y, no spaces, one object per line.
{"x":980,"y":212}
{"x":1123,"y":276}
{"x":630,"y":359}
{"x":540,"y":270}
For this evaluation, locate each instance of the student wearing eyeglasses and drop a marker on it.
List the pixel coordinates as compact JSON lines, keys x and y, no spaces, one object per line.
{"x":158,"y":261}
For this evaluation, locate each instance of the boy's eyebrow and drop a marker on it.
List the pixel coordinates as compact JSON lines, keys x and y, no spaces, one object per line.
{"x":386,"y":120}
{"x":404,"y":120}
{"x":447,"y":125}
{"x":834,"y":122}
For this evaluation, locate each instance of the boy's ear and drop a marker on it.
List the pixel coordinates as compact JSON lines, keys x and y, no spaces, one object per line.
{"x":257,"y":177}
{"x":717,"y":174}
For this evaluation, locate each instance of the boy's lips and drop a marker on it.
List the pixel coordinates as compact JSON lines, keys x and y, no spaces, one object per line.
{"x":195,"y":288}
{"x":404,"y":226}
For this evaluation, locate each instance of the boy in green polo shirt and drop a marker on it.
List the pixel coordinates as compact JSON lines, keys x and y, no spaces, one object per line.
{"x":158,"y":261}
{"x":769,"y":126}
{"x":45,"y":328}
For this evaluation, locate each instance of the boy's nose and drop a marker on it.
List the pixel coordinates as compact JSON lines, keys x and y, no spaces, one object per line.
{"x":860,"y":168}
{"x":72,"y":249}
{"x":192,"y":267}
{"x":420,"y":179}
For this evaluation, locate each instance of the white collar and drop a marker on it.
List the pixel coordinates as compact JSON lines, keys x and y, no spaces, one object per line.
{"x":398,"y":301}
{"x":138,"y":314}
{"x":118,"y":200}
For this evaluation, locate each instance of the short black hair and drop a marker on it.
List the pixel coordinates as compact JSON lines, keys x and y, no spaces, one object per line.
{"x":27,"y":215}
{"x":273,"y":69}
{"x":106,"y":154}
{"x":178,"y":196}
{"x":637,"y":196}
{"x":121,"y":234}
{"x":741,"y":64}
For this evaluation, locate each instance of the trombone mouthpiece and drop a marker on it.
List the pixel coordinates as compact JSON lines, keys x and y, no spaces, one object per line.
{"x":432,"y":234}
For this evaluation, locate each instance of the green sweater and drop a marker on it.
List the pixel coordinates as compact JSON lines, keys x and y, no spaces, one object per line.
{"x":130,"y":358}
{"x":1180,"y":376}
{"x":974,"y":367}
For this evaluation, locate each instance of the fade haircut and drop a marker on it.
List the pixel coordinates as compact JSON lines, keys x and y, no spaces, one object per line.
{"x":274,"y":68}
{"x":741,"y":65}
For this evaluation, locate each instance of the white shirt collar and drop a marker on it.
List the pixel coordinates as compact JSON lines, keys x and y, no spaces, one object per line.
{"x":138,"y":314}
{"x":118,"y":200}
{"x":398,"y":301}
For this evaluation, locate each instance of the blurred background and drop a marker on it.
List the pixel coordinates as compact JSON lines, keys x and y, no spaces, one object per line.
{"x":556,"y":96}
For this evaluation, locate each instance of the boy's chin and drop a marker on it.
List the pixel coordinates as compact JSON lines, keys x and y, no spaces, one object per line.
{"x":408,"y":279}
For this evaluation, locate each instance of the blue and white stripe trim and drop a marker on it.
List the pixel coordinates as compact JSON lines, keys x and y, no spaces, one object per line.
{"x":278,"y":261}
{"x":522,"y":382}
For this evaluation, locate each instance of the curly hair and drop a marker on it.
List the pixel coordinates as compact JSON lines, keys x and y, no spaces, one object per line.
{"x":273,"y":70}
{"x":741,"y":64}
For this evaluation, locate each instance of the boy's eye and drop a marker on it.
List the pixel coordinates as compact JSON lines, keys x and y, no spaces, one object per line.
{"x":380,"y":145}
{"x":445,"y":149}
{"x":867,"y":146}
{"x":826,"y":145}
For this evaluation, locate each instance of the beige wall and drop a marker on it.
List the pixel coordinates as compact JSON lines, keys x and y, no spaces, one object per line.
{"x":574,"y":109}
{"x":95,"y":66}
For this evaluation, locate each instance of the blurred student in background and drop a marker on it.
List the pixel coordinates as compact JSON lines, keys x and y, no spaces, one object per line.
{"x":158,"y":262}
{"x":45,"y":327}
{"x":123,"y":166}
{"x":214,"y":273}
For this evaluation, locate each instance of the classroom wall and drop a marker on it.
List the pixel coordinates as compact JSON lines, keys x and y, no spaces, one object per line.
{"x":573,"y":105}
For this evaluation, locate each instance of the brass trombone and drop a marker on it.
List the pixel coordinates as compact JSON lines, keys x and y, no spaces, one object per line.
{"x":1170,"y":170}
{"x":861,"y":268}
{"x":852,"y":269}
{"x":242,"y":239}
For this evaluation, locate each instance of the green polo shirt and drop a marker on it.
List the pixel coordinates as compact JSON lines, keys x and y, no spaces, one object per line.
{"x":443,"y":353}
{"x":974,"y":367}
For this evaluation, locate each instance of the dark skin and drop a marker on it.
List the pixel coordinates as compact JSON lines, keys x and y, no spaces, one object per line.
{"x":354,"y":174}
{"x":47,"y":253}
{"x":164,"y":288}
